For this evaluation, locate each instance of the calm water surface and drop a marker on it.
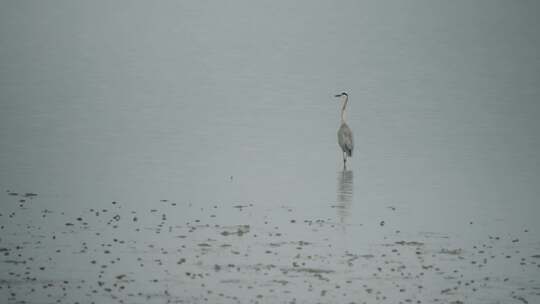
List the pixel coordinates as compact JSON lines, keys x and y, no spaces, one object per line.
{"x":187,"y":152}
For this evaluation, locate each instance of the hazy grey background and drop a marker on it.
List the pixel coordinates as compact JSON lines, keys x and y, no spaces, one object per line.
{"x":132,"y":100}
{"x":138,"y":101}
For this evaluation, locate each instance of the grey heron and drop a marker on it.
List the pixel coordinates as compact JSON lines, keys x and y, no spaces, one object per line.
{"x":345,"y":137}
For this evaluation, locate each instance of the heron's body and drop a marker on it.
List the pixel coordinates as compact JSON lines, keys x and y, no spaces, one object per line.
{"x":345,"y":136}
{"x":345,"y":139}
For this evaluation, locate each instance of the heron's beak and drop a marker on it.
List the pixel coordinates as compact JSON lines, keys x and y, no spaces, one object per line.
{"x":338,"y":95}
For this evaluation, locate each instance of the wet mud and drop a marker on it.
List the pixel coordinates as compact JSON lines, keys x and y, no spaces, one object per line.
{"x":112,"y":254}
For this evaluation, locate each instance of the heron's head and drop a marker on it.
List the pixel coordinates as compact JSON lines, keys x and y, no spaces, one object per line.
{"x":343,"y":94}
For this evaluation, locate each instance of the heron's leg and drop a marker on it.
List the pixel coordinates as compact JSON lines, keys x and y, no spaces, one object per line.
{"x":344,"y":161}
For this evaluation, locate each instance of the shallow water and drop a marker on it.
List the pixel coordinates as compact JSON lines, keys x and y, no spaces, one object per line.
{"x":187,"y":153}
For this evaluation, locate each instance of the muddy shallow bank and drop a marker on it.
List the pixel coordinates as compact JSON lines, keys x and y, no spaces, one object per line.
{"x":177,"y":252}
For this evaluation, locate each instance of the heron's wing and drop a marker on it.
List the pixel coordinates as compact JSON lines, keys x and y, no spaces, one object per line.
{"x":345,"y":139}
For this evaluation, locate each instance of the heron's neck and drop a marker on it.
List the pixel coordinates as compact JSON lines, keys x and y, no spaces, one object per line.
{"x":345,"y":100}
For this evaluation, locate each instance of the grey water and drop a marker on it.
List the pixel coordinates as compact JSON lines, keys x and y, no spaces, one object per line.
{"x":186,"y":152}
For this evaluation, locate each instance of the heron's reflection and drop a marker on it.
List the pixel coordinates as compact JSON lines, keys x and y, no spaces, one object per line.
{"x":344,"y":194}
